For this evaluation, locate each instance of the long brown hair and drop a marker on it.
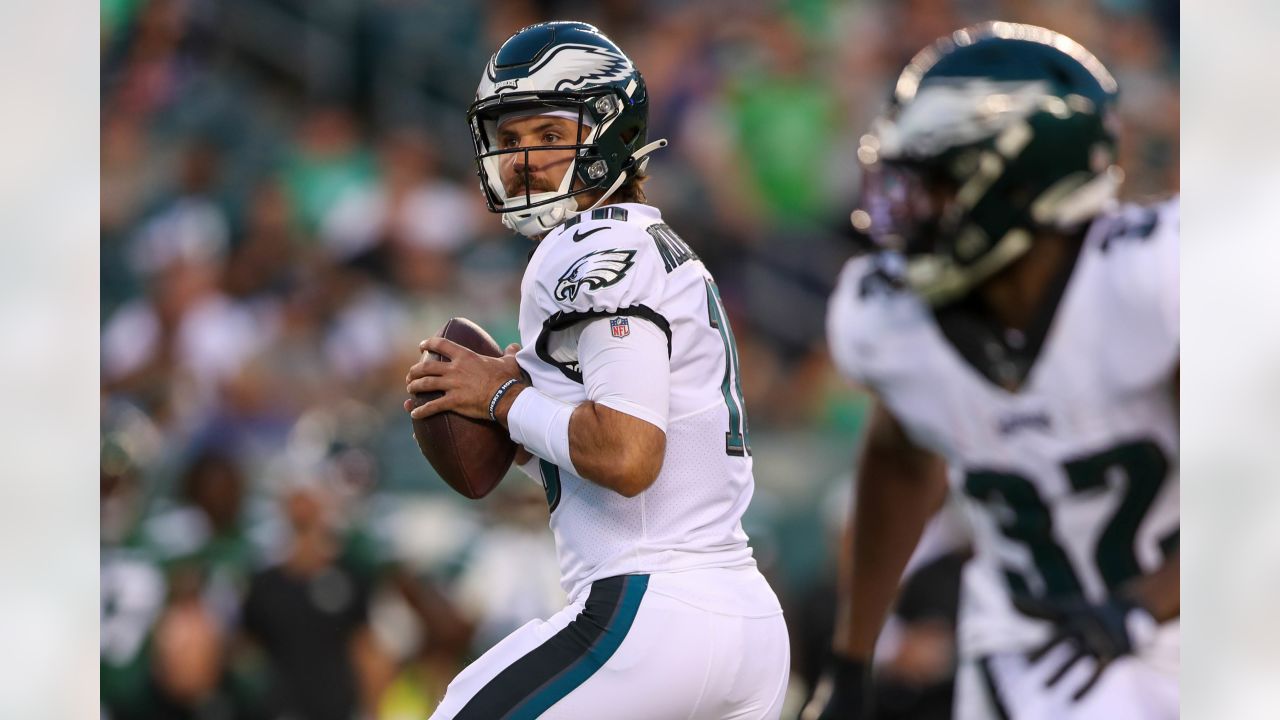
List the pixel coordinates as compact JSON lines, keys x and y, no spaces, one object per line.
{"x":632,"y":191}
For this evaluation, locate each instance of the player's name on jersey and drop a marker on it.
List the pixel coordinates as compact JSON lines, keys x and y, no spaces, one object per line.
{"x":673,"y":249}
{"x":1036,"y":420}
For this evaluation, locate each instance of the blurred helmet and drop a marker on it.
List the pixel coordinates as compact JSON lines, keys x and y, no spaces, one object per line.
{"x":993,"y":133}
{"x":569,"y":70}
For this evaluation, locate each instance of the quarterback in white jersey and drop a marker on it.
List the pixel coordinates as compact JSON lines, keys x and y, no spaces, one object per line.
{"x":1019,"y":330}
{"x":626,"y":396}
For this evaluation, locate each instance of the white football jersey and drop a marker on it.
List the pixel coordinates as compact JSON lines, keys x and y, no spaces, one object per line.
{"x":1070,"y":482}
{"x":623,"y":263}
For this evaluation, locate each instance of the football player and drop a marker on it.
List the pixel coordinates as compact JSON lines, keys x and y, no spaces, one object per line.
{"x":627,"y":394}
{"x":1019,"y":331}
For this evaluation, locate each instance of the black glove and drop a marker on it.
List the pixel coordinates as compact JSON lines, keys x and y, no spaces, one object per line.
{"x":1105,"y":632}
{"x":843,"y":692}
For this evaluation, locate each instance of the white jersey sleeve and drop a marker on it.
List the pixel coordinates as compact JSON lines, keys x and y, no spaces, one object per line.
{"x":842,"y":324}
{"x":625,"y":367}
{"x":611,"y":271}
{"x":1137,"y":286}
{"x":869,"y":320}
{"x":613,"y":267}
{"x":1168,"y":257}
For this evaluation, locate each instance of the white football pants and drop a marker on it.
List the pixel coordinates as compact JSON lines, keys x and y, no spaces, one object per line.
{"x":631,"y":650}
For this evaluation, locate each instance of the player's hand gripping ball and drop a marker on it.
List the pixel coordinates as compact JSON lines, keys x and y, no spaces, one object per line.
{"x":471,"y":455}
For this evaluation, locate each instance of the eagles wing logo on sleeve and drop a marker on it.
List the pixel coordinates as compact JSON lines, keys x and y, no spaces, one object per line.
{"x":595,"y":270}
{"x":567,"y":67}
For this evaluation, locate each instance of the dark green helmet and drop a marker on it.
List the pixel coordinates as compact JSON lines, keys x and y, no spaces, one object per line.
{"x":994,"y":133}
{"x":570,"y":70}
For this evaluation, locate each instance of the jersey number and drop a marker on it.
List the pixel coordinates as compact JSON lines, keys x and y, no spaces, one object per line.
{"x":1139,"y":466}
{"x":737,"y":441}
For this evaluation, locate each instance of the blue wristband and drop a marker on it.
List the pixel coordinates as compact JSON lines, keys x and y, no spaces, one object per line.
{"x":497,"y":396}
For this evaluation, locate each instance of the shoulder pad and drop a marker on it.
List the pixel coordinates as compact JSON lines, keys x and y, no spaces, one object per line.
{"x":601,"y":265}
{"x":1139,"y":248}
{"x":868,"y":304}
{"x":1134,"y":282}
{"x":1136,"y":225}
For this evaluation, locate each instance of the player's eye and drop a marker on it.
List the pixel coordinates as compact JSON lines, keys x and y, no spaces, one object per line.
{"x":509,"y":141}
{"x":551,"y":138}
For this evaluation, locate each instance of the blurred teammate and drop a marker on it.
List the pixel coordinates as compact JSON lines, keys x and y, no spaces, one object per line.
{"x":1020,"y":333}
{"x":627,"y":395}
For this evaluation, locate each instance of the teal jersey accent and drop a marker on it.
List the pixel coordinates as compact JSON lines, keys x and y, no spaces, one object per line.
{"x":604,"y":648}
{"x":737,"y":440}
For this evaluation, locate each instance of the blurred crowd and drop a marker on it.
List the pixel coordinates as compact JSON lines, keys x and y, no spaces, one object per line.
{"x":289,"y":205}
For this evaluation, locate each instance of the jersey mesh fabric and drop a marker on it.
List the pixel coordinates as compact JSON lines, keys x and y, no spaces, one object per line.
{"x":688,"y":519}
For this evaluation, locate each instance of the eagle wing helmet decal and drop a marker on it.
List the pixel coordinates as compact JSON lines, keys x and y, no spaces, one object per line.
{"x":566,"y":67}
{"x":595,"y":270}
{"x":572,"y":66}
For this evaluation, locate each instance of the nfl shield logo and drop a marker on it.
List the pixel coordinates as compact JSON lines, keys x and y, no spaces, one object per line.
{"x":620,"y":327}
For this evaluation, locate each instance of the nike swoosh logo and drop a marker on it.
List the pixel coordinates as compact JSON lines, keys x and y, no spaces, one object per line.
{"x":579,"y":236}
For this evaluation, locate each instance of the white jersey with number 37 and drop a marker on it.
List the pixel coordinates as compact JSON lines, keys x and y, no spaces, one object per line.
{"x":1071,"y":480}
{"x":621,"y":264}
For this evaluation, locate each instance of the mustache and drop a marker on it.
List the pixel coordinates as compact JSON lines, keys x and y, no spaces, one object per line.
{"x":517,"y":186}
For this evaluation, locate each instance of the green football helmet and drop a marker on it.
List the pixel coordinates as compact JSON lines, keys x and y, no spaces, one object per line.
{"x":994,"y":133}
{"x":569,"y":70}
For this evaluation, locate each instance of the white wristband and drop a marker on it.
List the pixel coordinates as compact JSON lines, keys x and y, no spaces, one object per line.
{"x":540,"y":423}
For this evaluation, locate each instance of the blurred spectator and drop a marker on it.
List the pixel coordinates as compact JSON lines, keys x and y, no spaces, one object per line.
{"x":784,"y":116}
{"x":132,"y":578}
{"x":175,"y":349}
{"x":117,"y":15}
{"x":265,"y":262}
{"x":189,"y":224}
{"x":328,"y":161}
{"x":309,"y":614}
{"x":145,"y":70}
{"x":206,"y":536}
{"x":421,"y":217}
{"x":367,"y":333}
{"x":442,"y":638}
{"x":125,"y":167}
{"x":189,"y":652}
{"x":512,"y":574}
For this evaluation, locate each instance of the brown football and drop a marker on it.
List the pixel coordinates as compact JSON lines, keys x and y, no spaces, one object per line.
{"x":471,"y":455}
